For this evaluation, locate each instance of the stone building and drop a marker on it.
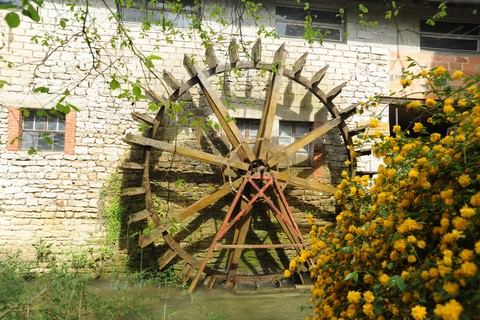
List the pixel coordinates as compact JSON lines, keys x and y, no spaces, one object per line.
{"x":58,"y":194}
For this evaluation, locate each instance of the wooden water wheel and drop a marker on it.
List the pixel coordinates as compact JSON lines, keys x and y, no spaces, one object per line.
{"x":257,"y":178}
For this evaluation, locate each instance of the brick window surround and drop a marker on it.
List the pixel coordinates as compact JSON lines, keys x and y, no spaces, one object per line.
{"x":15,"y":121}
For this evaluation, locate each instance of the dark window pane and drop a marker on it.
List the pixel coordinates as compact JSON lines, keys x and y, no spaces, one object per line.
{"x":58,"y":141}
{"x":40,"y":123}
{"x":43,"y":143}
{"x":28,"y":140}
{"x":29,"y":121}
{"x":452,"y":28}
{"x":445,"y":43}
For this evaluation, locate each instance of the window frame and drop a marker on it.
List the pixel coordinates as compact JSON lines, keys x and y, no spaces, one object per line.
{"x":316,"y":25}
{"x":309,"y":147}
{"x":16,"y":130}
{"x":451,"y":36}
{"x":160,"y":10}
{"x":37,"y":133}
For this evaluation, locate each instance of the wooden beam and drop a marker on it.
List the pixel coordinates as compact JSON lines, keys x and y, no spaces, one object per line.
{"x":270,"y":108}
{"x":335,"y":91}
{"x":221,"y":112}
{"x":257,"y":51}
{"x":186,"y":152}
{"x":302,"y":142}
{"x":299,"y":64}
{"x":233,"y":52}
{"x":140,"y":117}
{"x":211,"y":58}
{"x":207,"y":200}
{"x":170,"y":80}
{"x":317,"y":77}
{"x":303,"y":183}
{"x":138,"y":216}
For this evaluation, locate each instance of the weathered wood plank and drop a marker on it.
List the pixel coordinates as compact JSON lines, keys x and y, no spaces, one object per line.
{"x":150,"y":237}
{"x":260,"y":148}
{"x":140,"y":117}
{"x":207,"y":200}
{"x":170,"y":80}
{"x":299,"y":64}
{"x":318,"y":76}
{"x":358,"y":130}
{"x":302,"y":142}
{"x":189,"y":153}
{"x":211,"y":58}
{"x":257,"y":51}
{"x":132,"y":166}
{"x":303,"y":183}
{"x":138,"y":216}
{"x":349,"y":111}
{"x":233,"y":52}
{"x":135,"y":191}
{"x":336,"y":91}
{"x":165,"y":259}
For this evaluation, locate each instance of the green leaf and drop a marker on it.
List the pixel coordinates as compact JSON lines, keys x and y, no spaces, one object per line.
{"x":114,"y":84}
{"x":398,"y":282}
{"x":63,"y":23}
{"x":62,"y":108}
{"x":41,"y":90}
{"x":352,"y":276}
{"x":137,"y":91}
{"x":12,"y":19}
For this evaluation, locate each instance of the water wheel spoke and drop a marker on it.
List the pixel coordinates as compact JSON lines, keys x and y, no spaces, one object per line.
{"x":186,"y":152}
{"x":304,"y":183}
{"x":268,"y":117}
{"x":302,"y":142}
{"x":221,"y":112}
{"x":207,"y":200}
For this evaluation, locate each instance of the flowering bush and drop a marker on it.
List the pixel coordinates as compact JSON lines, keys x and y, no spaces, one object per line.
{"x":406,"y":245}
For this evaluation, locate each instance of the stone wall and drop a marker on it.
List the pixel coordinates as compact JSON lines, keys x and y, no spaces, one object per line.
{"x":56,"y":196}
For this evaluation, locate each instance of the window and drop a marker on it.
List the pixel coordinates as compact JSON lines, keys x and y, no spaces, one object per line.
{"x":41,"y":130}
{"x":290,"y":22}
{"x":290,"y":132}
{"x":446,"y":35}
{"x":157,"y":11}
{"x":14,"y":2}
{"x":249,"y":129}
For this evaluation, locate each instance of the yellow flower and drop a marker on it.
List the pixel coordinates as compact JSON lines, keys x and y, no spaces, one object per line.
{"x":353,"y":296}
{"x":405,"y":82}
{"x":448,"y":109}
{"x":450,"y":311}
{"x":368,"y":309}
{"x":374,"y":123}
{"x":451,"y":288}
{"x":419,"y":313}
{"x":287,"y":273}
{"x":460,"y":223}
{"x":472,"y":89}
{"x":467,"y":212}
{"x":477,"y":247}
{"x":396,"y":129}
{"x":475,"y":200}
{"x":464,"y":180}
{"x":417,"y":127}
{"x":411,"y":258}
{"x":384,"y":279}
{"x":421,"y":244}
{"x":466,"y":255}
{"x":424,"y":73}
{"x":462,"y":103}
{"x":414,"y":104}
{"x":430,"y":102}
{"x":468,"y":269}
{"x":434,"y":137}
{"x":439,"y":71}
{"x":457,"y":74}
{"x":368,"y":296}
